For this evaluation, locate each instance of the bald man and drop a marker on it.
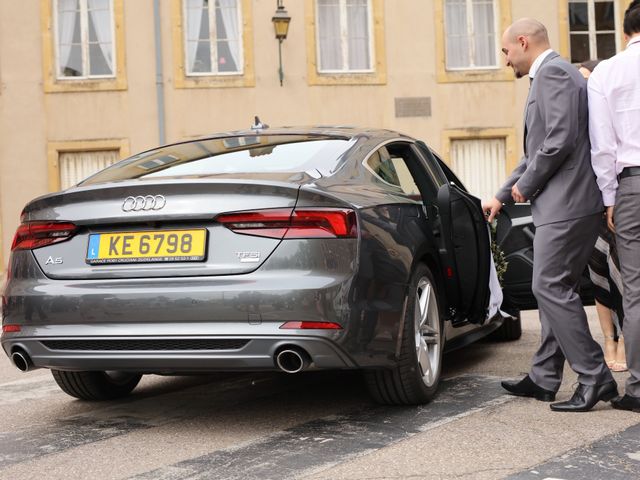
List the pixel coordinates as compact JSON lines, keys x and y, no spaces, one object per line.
{"x":556,"y":176}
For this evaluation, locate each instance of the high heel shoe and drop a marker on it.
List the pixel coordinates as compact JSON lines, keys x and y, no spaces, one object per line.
{"x":620,"y":365}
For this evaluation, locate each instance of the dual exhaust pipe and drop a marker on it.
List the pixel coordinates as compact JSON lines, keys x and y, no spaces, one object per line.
{"x":289,"y":359}
{"x":292,"y":359}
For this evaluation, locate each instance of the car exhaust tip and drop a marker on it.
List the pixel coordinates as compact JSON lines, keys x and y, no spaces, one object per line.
{"x":21,"y":361}
{"x":292,"y":360}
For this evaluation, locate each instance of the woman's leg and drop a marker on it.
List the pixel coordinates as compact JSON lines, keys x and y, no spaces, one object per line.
{"x":608,"y":330}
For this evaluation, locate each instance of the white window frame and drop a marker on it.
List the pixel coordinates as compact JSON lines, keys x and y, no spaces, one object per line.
{"x":344,"y":40}
{"x":84,"y":39}
{"x":213,"y":42}
{"x":592,"y":32}
{"x":472,"y":50}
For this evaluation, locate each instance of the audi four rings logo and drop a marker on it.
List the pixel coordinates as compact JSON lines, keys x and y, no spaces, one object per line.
{"x":146,"y":203}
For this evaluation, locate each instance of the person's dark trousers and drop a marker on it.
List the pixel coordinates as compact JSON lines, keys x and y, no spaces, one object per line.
{"x":626,"y":218}
{"x":560,"y":254}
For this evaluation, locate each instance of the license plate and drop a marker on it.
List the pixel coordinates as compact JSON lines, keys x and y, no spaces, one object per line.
{"x":146,"y":247}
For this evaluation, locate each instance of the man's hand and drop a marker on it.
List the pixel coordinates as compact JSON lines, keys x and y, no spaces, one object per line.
{"x":516,"y":195}
{"x":491,"y":208}
{"x":609,"y":214}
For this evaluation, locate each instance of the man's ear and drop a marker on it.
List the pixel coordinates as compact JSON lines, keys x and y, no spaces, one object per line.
{"x":524,"y":41}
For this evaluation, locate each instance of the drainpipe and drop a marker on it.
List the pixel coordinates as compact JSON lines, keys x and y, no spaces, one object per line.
{"x":159,"y":77}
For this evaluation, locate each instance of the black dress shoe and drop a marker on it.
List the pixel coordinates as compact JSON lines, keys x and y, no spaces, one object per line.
{"x":586,"y":396}
{"x":526,"y":388}
{"x":626,"y":402}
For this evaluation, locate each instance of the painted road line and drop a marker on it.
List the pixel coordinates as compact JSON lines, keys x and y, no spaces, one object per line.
{"x":321,"y":444}
{"x":615,"y":457}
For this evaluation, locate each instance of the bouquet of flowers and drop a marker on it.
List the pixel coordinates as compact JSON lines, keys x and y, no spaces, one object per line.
{"x":498,"y":255}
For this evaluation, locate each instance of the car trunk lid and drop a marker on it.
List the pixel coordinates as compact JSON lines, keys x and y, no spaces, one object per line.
{"x":173,"y":219}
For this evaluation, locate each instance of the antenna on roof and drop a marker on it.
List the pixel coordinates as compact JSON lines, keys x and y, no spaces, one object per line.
{"x":258,"y":125}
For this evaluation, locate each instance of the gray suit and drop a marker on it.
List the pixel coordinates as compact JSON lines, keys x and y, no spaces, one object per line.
{"x":555,"y":174}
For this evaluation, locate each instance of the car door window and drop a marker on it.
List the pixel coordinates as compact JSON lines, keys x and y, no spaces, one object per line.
{"x":380,"y":164}
{"x":399,"y":165}
{"x":405,"y":178}
{"x":393,"y":171}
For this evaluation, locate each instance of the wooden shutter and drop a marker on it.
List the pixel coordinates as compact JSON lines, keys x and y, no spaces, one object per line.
{"x":76,"y":166}
{"x":480,"y":164}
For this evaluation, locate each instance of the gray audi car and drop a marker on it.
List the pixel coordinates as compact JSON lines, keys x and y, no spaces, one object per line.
{"x":285,"y":249}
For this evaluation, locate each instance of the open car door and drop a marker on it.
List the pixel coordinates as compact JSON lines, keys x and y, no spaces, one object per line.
{"x":514,"y":235}
{"x":466,"y":254}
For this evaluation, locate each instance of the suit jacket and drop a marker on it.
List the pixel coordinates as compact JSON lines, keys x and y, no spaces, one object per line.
{"x":555,"y":174}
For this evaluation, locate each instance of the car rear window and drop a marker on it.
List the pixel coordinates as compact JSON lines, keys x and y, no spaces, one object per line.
{"x":232,"y":155}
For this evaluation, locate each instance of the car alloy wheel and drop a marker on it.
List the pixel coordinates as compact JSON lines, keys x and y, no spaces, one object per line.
{"x":415,"y":378}
{"x":427,"y":332}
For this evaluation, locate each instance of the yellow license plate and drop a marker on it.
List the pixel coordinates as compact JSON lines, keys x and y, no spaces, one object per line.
{"x":145,"y":247}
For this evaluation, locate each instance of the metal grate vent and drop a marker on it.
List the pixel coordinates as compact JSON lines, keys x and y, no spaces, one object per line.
{"x":147,"y":345}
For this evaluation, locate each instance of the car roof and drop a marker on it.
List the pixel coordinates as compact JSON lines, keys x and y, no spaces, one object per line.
{"x":336,"y":131}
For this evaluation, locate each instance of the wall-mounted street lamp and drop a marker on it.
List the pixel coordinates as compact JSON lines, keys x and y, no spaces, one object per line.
{"x":281,"y":24}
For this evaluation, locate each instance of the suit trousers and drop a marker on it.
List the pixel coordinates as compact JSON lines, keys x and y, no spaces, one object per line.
{"x":561,"y":251}
{"x":627,"y":220}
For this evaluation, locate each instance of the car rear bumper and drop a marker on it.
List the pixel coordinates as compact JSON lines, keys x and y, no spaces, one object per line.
{"x":249,"y":307}
{"x":161,"y":349}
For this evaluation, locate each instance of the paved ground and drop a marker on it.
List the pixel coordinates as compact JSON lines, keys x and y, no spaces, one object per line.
{"x":315,"y":426}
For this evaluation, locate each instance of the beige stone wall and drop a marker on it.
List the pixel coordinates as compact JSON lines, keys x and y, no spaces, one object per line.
{"x":22,"y":118}
{"x":31,"y":120}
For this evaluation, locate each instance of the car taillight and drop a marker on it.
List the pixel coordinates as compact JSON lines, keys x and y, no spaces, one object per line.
{"x":298,"y":223}
{"x":39,"y":234}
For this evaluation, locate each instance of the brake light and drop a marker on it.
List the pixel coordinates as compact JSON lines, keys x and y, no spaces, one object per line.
{"x":311,"y":325}
{"x":310,"y":223}
{"x":39,"y":234}
{"x":262,"y":223}
{"x":298,"y":223}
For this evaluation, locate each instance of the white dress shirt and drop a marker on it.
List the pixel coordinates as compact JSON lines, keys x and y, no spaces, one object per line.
{"x":538,"y":61}
{"x":614,"y":118}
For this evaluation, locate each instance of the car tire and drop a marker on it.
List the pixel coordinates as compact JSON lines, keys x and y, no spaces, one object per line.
{"x":421,"y":348}
{"x":510,"y":330}
{"x":96,"y":385}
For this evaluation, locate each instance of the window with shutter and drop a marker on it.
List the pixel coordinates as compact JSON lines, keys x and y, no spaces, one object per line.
{"x":77,"y":166}
{"x":480,"y":164}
